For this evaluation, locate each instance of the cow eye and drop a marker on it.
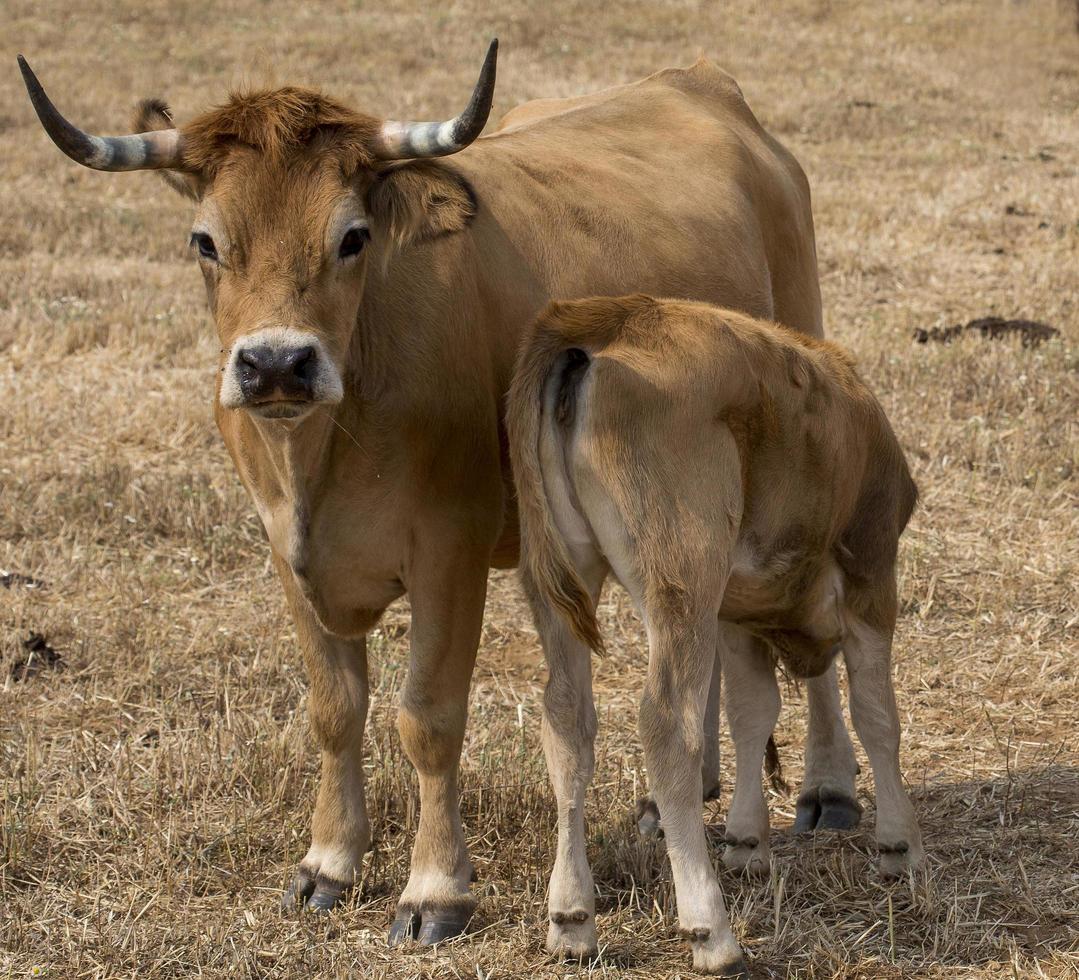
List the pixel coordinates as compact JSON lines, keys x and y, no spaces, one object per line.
{"x":205,"y":244}
{"x":353,"y":242}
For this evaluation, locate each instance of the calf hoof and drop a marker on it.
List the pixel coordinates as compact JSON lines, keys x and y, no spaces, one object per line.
{"x":314,"y":892}
{"x":748,"y":854}
{"x":826,"y":809}
{"x":896,"y":859}
{"x":648,"y":818}
{"x":572,"y":935}
{"x":428,"y":927}
{"x":713,"y":956}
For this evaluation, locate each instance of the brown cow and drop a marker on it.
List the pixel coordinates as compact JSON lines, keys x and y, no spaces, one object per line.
{"x":370,"y":303}
{"x":726,"y":471}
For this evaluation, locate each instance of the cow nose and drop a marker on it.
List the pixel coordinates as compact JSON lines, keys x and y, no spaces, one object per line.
{"x":284,"y":372}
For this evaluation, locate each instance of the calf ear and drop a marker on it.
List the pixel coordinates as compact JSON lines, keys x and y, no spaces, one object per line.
{"x":418,"y":201}
{"x":151,"y":114}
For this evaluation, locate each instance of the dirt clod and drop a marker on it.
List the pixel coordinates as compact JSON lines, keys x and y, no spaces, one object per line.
{"x":1031,"y":332}
{"x":37,"y":656}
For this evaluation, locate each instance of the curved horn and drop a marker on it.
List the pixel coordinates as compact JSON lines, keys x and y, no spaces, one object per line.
{"x":143,"y":151}
{"x":411,"y":140}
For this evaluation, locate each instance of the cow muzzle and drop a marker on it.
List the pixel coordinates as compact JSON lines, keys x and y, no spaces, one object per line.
{"x":280,"y":374}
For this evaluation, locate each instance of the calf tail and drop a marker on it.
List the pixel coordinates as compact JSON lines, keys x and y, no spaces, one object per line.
{"x":548,"y":570}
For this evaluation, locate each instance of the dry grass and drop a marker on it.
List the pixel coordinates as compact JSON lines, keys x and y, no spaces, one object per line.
{"x":155,"y":793}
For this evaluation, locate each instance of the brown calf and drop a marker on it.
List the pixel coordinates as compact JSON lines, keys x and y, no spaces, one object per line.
{"x":737,"y":479}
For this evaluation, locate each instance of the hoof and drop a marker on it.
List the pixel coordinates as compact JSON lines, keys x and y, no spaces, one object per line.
{"x":314,"y":892}
{"x":712,"y":955}
{"x":648,"y":818}
{"x":572,"y":935}
{"x":747,"y":854}
{"x":713,"y":793}
{"x":823,"y":809}
{"x":429,"y":927}
{"x":299,"y":890}
{"x":899,"y":858}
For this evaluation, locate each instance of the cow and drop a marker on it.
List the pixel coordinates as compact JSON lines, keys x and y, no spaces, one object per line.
{"x":729,"y":473}
{"x":370,"y":292}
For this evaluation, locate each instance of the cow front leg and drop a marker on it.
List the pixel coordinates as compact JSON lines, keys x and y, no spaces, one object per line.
{"x":447,"y":615}
{"x":872,"y":705}
{"x":827,"y":800}
{"x":337,"y":707}
{"x":681,"y":657}
{"x":752,"y":711}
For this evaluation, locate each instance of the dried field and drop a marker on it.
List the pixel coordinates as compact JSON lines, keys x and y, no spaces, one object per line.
{"x":156,"y":783}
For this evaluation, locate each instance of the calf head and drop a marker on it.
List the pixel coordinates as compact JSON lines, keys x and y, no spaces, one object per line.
{"x":290,"y":187}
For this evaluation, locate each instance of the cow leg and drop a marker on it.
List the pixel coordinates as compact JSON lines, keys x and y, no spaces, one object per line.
{"x":648,"y":820}
{"x":447,"y":600}
{"x":872,"y":702}
{"x":752,"y":711}
{"x":827,"y":799}
{"x":682,"y":656}
{"x":337,"y":705}
{"x":569,"y":731}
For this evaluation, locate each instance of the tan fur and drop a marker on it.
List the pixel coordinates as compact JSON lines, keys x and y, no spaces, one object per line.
{"x":668,"y":184}
{"x":727,"y":470}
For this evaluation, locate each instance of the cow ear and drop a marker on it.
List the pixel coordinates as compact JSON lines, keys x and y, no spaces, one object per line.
{"x":418,"y":201}
{"x":151,"y":114}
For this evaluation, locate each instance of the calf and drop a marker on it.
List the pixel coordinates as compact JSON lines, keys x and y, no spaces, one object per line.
{"x":740,"y":480}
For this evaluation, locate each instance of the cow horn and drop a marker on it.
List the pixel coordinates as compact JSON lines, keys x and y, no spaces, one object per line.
{"x":143,"y":151}
{"x":411,"y":140}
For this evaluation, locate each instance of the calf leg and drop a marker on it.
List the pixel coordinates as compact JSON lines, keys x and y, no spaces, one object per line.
{"x":827,"y":800}
{"x":752,"y":711}
{"x":447,"y":613}
{"x":872,"y":703}
{"x":648,"y":820}
{"x":671,"y":724}
{"x":569,"y":731}
{"x":340,"y":830}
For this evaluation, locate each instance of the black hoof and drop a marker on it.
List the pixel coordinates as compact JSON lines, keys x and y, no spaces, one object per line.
{"x":439,"y":926}
{"x":299,"y":890}
{"x":316,"y":893}
{"x":648,"y":818}
{"x":826,"y":810}
{"x":328,"y":894}
{"x":405,"y":928}
{"x":428,"y":927}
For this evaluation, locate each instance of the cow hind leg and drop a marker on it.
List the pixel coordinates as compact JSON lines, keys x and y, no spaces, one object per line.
{"x":827,"y":800}
{"x":752,"y":711}
{"x":682,"y":655}
{"x":872,"y":699}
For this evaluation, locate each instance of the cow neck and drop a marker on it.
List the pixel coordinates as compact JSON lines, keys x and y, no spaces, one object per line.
{"x":291,"y":462}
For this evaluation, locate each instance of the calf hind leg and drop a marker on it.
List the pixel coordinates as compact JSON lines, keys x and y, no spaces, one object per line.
{"x":648,"y":819}
{"x":671,"y":726}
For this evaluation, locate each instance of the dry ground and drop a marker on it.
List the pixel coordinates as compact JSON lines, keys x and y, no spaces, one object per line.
{"x":155,"y":792}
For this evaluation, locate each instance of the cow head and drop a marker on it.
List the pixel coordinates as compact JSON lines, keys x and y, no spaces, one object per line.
{"x":290,"y":187}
